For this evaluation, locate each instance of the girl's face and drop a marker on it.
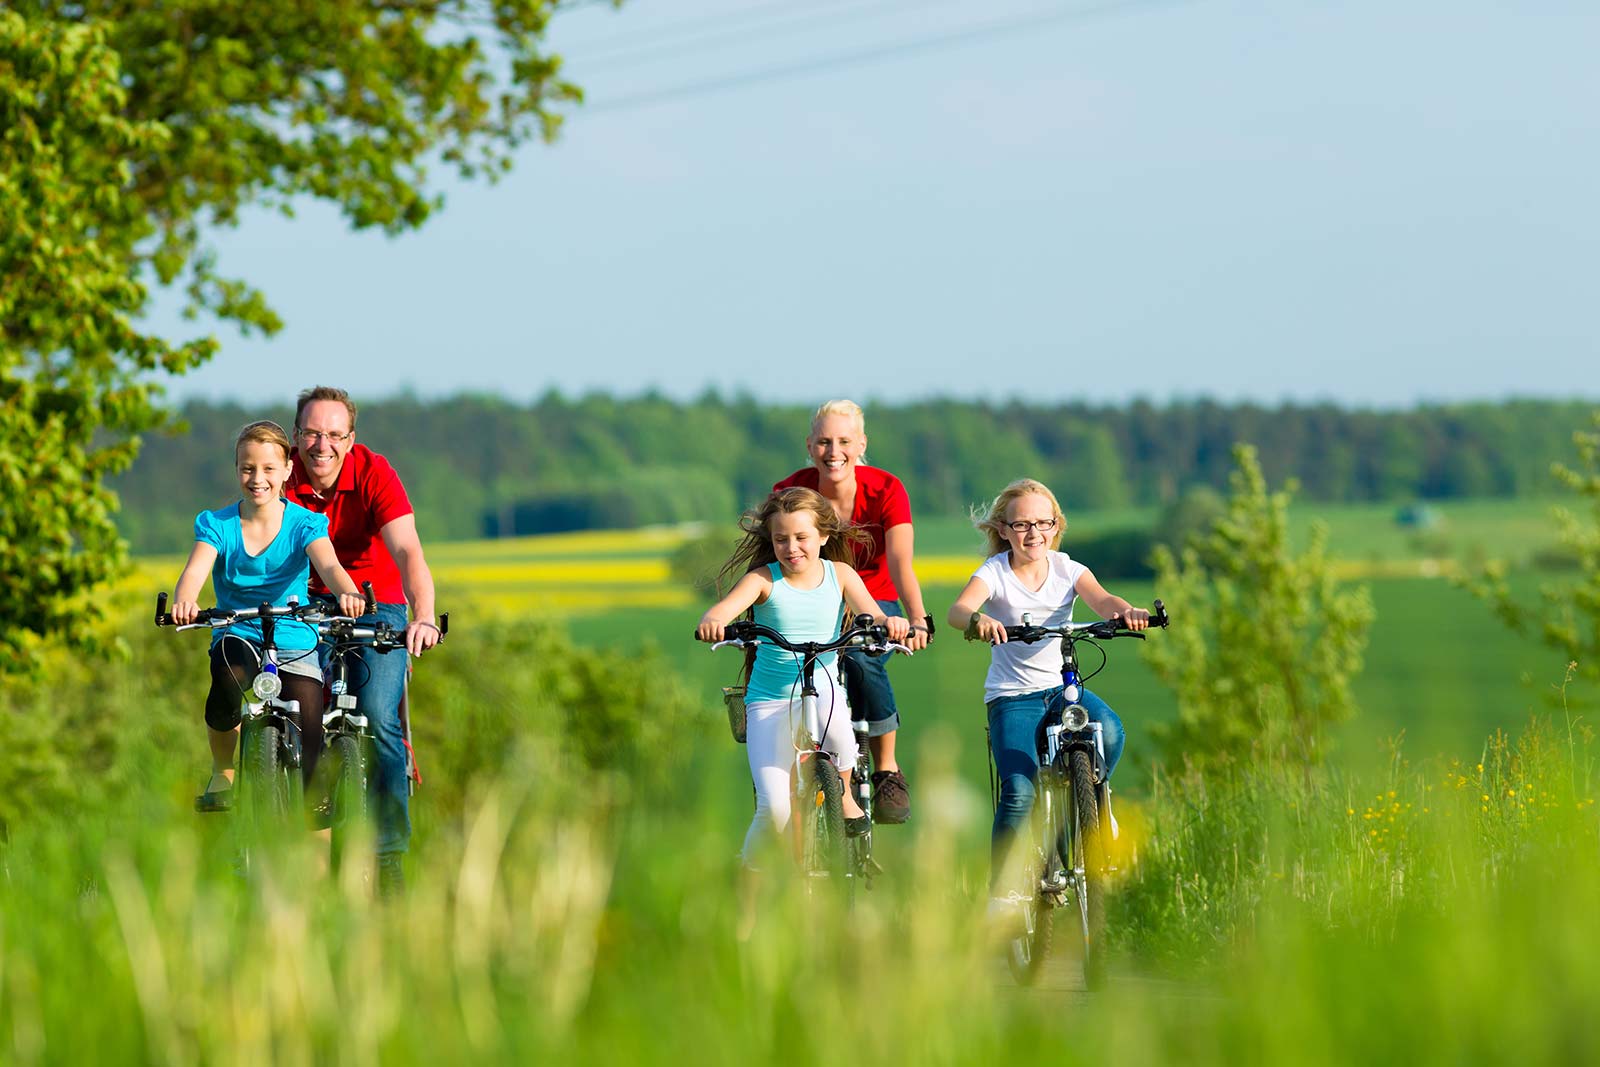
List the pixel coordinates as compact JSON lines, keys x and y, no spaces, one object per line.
{"x":837,"y":444}
{"x":1032,"y":542}
{"x":796,"y":541}
{"x":263,"y":470}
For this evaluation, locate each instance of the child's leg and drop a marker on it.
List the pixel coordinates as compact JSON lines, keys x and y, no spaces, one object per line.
{"x":1013,"y":724}
{"x":839,"y":739}
{"x":308,"y":691}
{"x":231,"y":671}
{"x":769,"y":744}
{"x":1111,"y":733}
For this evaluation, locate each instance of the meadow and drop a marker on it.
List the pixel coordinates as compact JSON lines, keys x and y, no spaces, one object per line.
{"x":572,"y":874}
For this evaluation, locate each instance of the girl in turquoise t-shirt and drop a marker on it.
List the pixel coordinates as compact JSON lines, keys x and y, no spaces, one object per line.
{"x":258,"y":551}
{"x":796,"y":581}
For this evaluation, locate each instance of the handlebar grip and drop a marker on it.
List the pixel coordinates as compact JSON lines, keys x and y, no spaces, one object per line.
{"x":444,"y":625}
{"x":1160,"y":617}
{"x":161,"y":610}
{"x":372,"y":600}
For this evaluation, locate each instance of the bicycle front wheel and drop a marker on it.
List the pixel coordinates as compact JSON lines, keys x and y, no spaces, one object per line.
{"x":349,"y":799}
{"x":1088,"y":867}
{"x":268,"y":786}
{"x":821,"y":814}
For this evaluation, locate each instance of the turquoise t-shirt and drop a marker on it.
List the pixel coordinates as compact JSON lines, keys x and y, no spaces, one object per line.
{"x":282,"y":570}
{"x":799,"y":615}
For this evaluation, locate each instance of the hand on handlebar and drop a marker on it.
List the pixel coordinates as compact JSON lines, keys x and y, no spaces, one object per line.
{"x":1133,"y":619}
{"x":898,"y":628}
{"x":184,"y":612}
{"x":352,"y":604}
{"x":710,"y":629}
{"x":421,"y":635}
{"x":990,"y":630}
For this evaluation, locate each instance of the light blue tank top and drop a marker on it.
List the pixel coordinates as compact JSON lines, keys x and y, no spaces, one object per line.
{"x":799,"y":615}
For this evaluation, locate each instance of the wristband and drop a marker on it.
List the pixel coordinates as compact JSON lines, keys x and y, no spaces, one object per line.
{"x":929,"y":620}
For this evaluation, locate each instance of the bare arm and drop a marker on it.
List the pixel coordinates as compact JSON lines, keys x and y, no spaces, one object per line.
{"x":322,"y":557}
{"x":897,"y":543}
{"x":966,"y":614}
{"x":751,"y":589}
{"x":860,"y":602}
{"x":416,"y":580}
{"x":186,"y":594}
{"x":1108,"y":606}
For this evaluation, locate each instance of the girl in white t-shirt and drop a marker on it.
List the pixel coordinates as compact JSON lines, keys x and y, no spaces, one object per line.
{"x":1026,"y":574}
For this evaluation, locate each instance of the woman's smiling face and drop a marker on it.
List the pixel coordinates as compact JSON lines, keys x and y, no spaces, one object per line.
{"x":836,"y":444}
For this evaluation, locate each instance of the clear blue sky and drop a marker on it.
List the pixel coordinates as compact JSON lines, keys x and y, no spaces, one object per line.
{"x":1365,"y":201}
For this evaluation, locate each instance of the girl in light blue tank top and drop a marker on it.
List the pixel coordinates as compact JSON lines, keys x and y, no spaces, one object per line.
{"x":794,"y":578}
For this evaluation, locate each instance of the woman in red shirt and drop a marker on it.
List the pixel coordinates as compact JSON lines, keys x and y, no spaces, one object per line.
{"x":874,"y":500}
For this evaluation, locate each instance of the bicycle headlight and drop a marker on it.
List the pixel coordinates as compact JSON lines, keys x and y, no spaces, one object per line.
{"x":267,"y":685}
{"x":1075,"y":717}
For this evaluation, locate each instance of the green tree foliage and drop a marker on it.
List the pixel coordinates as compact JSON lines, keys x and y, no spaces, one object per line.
{"x":1264,"y":643}
{"x":1565,"y":615}
{"x":470,"y":461}
{"x":128,"y":128}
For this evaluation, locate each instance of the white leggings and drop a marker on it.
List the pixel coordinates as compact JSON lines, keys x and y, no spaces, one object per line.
{"x":769,"y":742}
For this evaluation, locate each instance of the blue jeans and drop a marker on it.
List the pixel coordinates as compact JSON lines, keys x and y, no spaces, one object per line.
{"x":866,"y":681}
{"x":1013,"y":726}
{"x":378,"y":689}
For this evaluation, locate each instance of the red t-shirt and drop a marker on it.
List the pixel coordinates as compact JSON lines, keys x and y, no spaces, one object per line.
{"x":368,"y":497}
{"x":881,"y":503}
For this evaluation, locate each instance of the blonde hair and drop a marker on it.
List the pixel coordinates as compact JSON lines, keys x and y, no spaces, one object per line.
{"x":993,"y":520}
{"x":264,"y":431}
{"x":755,"y":548}
{"x":848,"y":408}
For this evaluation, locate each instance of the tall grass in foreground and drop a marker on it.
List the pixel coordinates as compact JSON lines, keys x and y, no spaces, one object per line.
{"x":573,"y":900}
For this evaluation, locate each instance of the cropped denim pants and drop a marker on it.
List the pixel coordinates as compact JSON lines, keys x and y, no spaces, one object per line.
{"x":1013,"y":726}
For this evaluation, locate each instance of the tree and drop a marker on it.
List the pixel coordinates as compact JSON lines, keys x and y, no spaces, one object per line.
{"x":1567,"y":617}
{"x":1264,"y":643}
{"x":128,"y":129}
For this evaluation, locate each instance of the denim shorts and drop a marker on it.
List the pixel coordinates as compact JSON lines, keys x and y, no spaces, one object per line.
{"x":866,"y":680}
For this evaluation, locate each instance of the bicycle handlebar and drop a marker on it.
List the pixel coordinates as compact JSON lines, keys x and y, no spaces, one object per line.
{"x":863,"y":633}
{"x":343,"y":628}
{"x":218,"y":617}
{"x":1104,"y":629}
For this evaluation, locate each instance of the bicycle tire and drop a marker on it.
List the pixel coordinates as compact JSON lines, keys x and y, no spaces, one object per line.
{"x":348,"y":796}
{"x":1090,"y":888}
{"x":267,"y":787}
{"x":1026,"y":953}
{"x":822,"y":814}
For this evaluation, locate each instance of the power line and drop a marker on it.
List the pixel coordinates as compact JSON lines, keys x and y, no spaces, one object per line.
{"x":970,"y":35}
{"x":780,"y":10}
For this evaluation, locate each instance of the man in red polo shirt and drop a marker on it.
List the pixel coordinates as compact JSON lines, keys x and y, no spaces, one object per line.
{"x":374,"y":534}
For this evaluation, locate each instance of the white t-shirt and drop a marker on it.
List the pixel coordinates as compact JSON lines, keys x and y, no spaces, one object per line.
{"x":1015,"y":667}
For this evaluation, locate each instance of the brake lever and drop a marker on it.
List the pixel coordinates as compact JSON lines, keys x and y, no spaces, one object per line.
{"x":734,"y":641}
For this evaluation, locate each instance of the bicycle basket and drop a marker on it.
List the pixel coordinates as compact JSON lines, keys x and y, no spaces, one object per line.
{"x":733,"y":697}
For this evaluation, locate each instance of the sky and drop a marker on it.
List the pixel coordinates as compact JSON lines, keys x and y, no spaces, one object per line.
{"x":1372,"y":202}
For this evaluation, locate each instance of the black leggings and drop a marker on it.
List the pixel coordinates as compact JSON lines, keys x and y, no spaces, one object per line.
{"x":234,"y":665}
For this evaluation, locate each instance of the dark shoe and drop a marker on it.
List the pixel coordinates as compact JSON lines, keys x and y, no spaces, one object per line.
{"x":891,"y":802}
{"x":859,"y":826}
{"x":208,"y":802}
{"x":391,"y":875}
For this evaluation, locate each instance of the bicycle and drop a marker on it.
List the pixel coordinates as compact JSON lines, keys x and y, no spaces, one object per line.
{"x":823,"y":849}
{"x":267,"y":795}
{"x":347,"y":735}
{"x":1065,"y":862}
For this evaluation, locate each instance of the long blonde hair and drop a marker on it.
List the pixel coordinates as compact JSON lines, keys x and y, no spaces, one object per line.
{"x":755,"y":548}
{"x":993,"y":520}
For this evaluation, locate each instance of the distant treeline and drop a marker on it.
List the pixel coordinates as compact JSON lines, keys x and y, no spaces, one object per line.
{"x":480,"y":466}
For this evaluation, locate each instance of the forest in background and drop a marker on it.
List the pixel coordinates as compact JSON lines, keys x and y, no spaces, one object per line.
{"x":480,"y":466}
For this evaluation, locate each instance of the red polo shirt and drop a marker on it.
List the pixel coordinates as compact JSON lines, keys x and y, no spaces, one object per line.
{"x":881,"y":503}
{"x":368,"y":497}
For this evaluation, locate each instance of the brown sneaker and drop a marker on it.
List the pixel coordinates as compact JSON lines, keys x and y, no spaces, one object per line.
{"x":891,"y":802}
